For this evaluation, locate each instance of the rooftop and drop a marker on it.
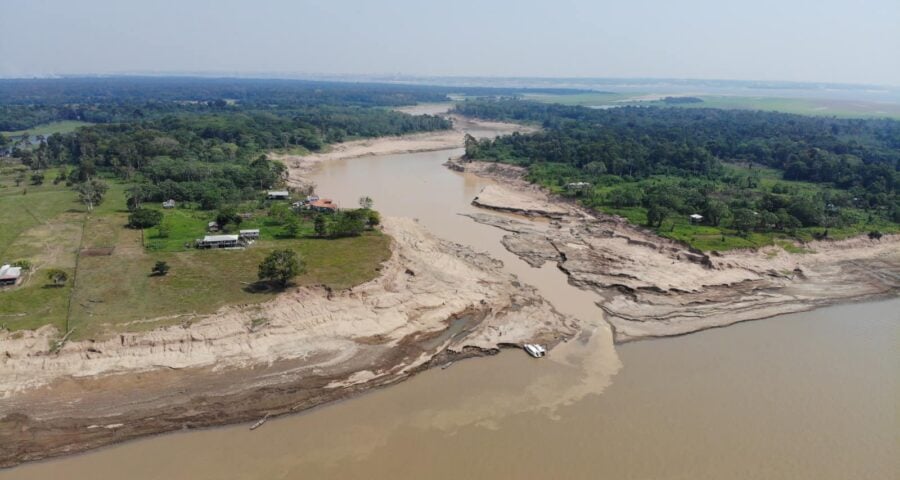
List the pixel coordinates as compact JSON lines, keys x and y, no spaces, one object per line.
{"x":323,"y":203}
{"x":220,"y":238}
{"x":7,"y":271}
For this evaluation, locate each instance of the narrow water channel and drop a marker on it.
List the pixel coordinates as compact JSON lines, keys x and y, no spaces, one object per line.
{"x":811,"y":395}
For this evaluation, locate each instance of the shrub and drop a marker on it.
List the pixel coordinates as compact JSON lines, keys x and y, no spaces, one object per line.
{"x":144,"y":218}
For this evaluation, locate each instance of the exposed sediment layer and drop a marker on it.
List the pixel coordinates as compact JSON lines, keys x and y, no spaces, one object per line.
{"x":655,"y":287}
{"x":434,"y":301}
{"x":305,"y":347}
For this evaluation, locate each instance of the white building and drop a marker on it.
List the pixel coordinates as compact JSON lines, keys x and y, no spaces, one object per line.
{"x":252,"y":234}
{"x":220,"y":241}
{"x":278,"y":195}
{"x":9,"y":275}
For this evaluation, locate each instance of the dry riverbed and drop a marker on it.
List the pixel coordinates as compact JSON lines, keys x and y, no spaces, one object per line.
{"x":654,"y":287}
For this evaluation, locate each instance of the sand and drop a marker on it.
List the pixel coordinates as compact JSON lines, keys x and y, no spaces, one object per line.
{"x":655,"y":287}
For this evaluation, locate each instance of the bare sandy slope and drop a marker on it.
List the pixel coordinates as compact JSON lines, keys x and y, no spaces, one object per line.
{"x":432,"y":296}
{"x":655,"y":287}
{"x":300,"y":166}
{"x":433,"y":301}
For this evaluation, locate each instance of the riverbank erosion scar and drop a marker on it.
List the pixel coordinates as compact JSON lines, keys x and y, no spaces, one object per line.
{"x":655,"y":287}
{"x":433,"y":301}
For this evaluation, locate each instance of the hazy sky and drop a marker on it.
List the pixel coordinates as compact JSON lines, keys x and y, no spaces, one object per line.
{"x":856,"y":41}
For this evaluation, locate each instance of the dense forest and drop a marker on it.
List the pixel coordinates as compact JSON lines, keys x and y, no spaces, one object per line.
{"x":25,"y":103}
{"x":719,"y":163}
{"x":212,"y":158}
{"x":211,"y":152}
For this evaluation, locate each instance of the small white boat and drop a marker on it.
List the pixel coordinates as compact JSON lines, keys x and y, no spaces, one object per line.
{"x":259,"y":423}
{"x":535,"y":350}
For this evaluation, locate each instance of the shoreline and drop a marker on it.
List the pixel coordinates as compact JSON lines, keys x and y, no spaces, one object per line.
{"x":318,"y":348}
{"x":655,"y":287}
{"x":433,"y":302}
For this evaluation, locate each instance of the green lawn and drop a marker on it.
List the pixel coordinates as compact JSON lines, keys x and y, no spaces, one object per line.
{"x":114,"y":291}
{"x":187,"y":225}
{"x":41,"y":224}
{"x":117,"y":292}
{"x":47,"y":129}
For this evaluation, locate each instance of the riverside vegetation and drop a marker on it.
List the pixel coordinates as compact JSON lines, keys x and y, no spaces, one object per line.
{"x":86,"y":200}
{"x":757,"y":178}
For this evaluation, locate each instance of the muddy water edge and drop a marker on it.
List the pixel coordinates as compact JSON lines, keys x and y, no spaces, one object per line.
{"x":812,"y":395}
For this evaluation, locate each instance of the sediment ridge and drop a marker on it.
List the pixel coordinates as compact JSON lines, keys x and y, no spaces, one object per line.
{"x":655,"y":287}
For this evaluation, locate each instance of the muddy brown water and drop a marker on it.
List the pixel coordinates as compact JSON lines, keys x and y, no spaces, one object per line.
{"x":811,"y":395}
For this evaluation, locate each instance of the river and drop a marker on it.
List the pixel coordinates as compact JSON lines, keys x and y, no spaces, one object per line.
{"x":811,"y":395}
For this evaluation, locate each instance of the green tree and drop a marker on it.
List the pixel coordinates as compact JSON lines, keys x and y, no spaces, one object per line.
{"x":320,"y":225}
{"x":715,"y":211}
{"x":656,"y":214}
{"x":144,"y":218}
{"x":280,"y":267}
{"x":280,"y":212}
{"x":136,"y":195}
{"x":37,"y":178}
{"x":744,"y":220}
{"x":366,"y":202}
{"x":472,"y":148}
{"x":373,"y":218}
{"x":160,"y":269}
{"x":228,"y":216}
{"x":808,"y":210}
{"x":347,"y":224}
{"x":91,"y":192}
{"x":626,"y":196}
{"x":57,"y":277}
{"x":292,"y":226}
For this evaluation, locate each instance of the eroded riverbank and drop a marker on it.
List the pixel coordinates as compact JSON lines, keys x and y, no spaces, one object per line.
{"x":433,"y":294}
{"x":434,"y":301}
{"x":313,"y":347}
{"x":654,"y":287}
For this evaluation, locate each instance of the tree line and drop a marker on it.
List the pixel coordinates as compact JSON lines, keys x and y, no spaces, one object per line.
{"x":670,"y":160}
{"x":210,"y":158}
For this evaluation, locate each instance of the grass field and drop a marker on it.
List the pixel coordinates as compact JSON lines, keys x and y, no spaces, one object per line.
{"x":47,"y":129}
{"x":801,"y":106}
{"x":583,"y":99}
{"x":115,"y":292}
